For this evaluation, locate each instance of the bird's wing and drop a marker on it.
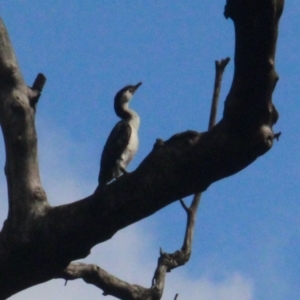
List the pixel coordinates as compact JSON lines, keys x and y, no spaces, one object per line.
{"x":116,"y":143}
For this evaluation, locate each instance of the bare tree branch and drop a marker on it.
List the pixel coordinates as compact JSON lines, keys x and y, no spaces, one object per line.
{"x":220,"y":68}
{"x":120,"y":289}
{"x":110,"y":284}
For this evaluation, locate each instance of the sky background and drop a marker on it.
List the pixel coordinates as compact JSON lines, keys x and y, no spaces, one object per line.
{"x":247,"y":237}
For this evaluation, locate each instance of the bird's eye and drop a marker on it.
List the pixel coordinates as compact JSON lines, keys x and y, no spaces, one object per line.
{"x":130,"y":91}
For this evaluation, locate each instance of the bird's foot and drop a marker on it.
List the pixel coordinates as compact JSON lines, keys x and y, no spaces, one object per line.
{"x":124,"y":171}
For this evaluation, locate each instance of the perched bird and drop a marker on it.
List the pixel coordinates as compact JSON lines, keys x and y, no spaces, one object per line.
{"x":122,"y":142}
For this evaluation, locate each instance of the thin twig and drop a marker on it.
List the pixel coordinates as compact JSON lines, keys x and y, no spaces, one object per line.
{"x":183,"y":205}
{"x":220,"y":68}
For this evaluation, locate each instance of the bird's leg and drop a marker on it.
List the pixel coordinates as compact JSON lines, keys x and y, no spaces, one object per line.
{"x":124,"y":171}
{"x":121,"y":168}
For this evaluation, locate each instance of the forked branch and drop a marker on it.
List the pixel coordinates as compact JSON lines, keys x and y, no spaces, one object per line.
{"x":114,"y":286}
{"x":120,"y":289}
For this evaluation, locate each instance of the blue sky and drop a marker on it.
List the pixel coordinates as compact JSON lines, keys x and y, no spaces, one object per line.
{"x":247,"y":235}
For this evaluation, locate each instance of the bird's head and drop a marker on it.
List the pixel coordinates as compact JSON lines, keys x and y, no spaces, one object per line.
{"x":125,"y":94}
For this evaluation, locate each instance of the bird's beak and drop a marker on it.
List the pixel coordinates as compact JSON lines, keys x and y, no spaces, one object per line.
{"x":137,"y":86}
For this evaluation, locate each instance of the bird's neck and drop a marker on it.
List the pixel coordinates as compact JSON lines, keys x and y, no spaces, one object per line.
{"x":129,"y":115}
{"x":125,"y":113}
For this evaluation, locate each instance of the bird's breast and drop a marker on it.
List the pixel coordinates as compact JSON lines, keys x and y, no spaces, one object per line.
{"x":131,"y":148}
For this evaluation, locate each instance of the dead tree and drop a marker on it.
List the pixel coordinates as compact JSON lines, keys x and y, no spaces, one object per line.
{"x":39,"y":242}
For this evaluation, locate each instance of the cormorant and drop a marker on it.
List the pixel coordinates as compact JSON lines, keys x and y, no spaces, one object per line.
{"x":122,"y":143}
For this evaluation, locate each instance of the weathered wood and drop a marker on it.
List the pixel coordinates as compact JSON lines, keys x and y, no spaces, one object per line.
{"x":38,"y":241}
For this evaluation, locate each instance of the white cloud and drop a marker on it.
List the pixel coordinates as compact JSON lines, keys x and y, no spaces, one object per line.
{"x":234,"y":287}
{"x":130,"y":255}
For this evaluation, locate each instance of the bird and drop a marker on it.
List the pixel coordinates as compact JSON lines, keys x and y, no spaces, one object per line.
{"x":122,"y":142}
